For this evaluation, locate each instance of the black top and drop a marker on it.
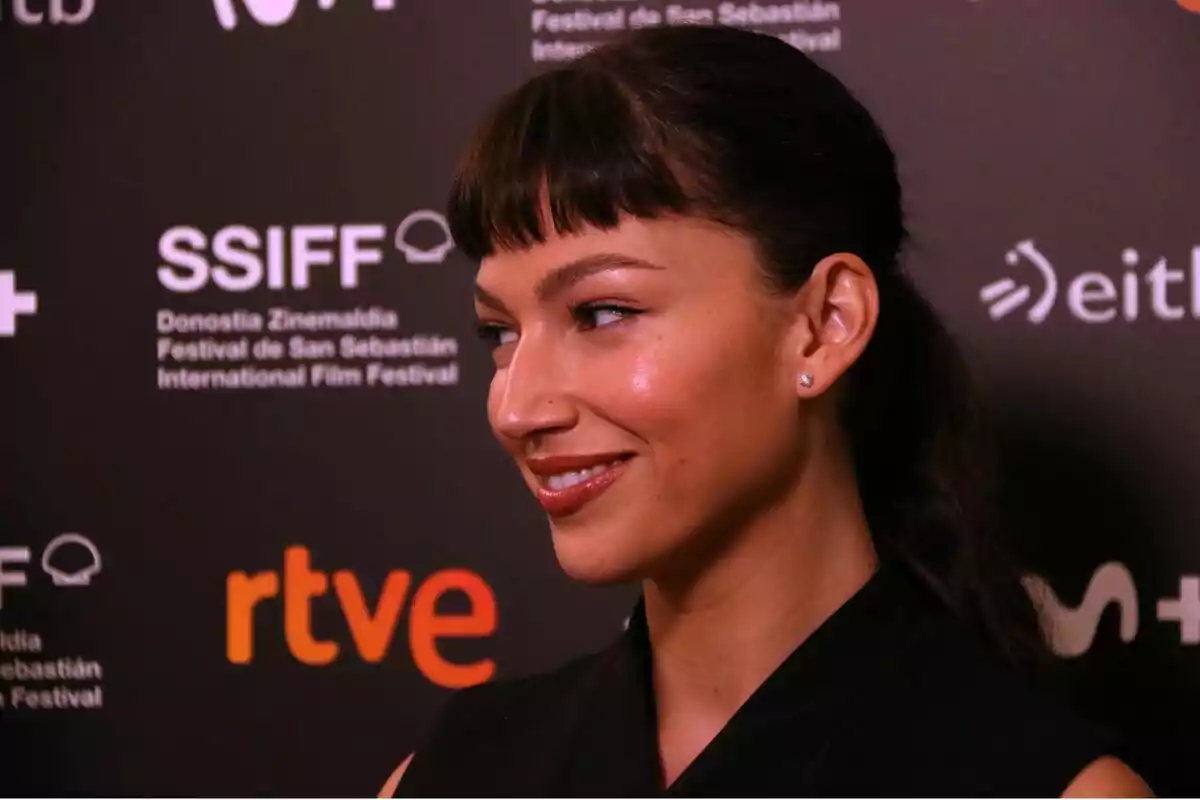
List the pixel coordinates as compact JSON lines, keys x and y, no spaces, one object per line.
{"x":891,"y":696}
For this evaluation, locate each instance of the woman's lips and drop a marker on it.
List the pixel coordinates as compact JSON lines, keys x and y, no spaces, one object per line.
{"x":562,"y":502}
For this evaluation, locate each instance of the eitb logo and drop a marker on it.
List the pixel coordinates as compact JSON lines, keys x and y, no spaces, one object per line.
{"x":1148,"y":287}
{"x":36,"y":13}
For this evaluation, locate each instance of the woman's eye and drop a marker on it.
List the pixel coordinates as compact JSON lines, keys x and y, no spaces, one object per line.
{"x":595,"y":315}
{"x":600,"y":315}
{"x":495,"y":335}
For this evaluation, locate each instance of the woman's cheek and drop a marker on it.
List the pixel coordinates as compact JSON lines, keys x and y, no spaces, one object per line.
{"x":646,"y":383}
{"x":662,"y":405}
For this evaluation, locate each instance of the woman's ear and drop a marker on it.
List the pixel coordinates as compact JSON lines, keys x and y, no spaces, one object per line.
{"x":839,"y":305}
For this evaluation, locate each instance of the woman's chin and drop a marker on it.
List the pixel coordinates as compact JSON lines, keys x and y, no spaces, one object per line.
{"x":592,"y":560}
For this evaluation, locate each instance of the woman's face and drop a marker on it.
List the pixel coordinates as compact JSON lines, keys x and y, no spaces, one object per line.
{"x":645,"y":385}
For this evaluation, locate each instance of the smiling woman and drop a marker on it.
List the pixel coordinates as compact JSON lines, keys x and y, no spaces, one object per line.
{"x":715,"y":377}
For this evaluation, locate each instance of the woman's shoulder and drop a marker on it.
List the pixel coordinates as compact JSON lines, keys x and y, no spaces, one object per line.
{"x":956,"y":672}
{"x":951,"y":668}
{"x":952,"y":704}
{"x":524,"y":698}
{"x":485,"y":734}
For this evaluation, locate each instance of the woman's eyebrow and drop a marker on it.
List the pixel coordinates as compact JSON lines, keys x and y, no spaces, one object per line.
{"x":561,"y":278}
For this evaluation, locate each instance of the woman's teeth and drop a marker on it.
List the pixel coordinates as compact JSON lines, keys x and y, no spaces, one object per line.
{"x":568,"y":479}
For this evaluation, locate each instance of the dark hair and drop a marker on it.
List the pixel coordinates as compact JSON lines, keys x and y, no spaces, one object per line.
{"x":742,"y":129}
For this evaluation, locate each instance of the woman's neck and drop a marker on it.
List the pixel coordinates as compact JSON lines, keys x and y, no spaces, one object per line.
{"x":718,"y":634}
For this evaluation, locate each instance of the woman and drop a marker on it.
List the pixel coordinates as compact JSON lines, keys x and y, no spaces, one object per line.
{"x":718,"y":383}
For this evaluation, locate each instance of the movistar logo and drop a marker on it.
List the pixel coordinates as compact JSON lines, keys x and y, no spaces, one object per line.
{"x":1071,"y":629}
{"x":272,"y":13}
{"x":1160,"y":292}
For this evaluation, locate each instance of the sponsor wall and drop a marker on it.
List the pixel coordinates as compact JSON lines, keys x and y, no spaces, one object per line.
{"x":253,"y":530}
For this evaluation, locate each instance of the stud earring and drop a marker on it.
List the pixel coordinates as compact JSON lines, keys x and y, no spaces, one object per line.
{"x":806,"y":380}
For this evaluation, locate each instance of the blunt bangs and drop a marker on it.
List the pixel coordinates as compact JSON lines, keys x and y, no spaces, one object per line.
{"x":573,"y":143}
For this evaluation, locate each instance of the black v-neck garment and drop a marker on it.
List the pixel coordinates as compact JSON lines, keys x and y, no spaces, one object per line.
{"x":891,"y":696}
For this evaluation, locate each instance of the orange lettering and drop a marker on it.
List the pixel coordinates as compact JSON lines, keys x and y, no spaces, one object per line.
{"x":300,"y":585}
{"x":242,"y":594}
{"x":425,"y":626}
{"x":373,"y":629}
{"x":372,"y":633}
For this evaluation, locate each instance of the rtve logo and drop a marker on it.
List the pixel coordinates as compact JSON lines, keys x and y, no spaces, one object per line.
{"x":1096,"y":297}
{"x":273,"y":13}
{"x":54,"y":12}
{"x":371,"y":629}
{"x":1072,"y":629}
{"x":238,"y":258}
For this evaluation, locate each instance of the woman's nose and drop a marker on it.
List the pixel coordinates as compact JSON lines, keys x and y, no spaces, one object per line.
{"x":530,"y":394}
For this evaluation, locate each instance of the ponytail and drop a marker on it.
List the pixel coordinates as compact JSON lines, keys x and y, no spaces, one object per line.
{"x":927,"y":470}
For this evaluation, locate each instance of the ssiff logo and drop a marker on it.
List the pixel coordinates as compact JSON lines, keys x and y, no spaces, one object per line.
{"x":1096,"y":297}
{"x":239,"y":258}
{"x":272,"y":13}
{"x":61,"y":576}
{"x":370,"y":628}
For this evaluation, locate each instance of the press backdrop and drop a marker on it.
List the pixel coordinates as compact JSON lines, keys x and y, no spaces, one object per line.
{"x":253,"y":530}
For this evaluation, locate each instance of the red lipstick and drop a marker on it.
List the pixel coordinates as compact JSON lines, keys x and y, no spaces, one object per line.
{"x":568,"y":500}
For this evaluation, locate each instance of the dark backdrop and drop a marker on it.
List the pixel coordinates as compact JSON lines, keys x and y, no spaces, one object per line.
{"x":181,"y":179}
